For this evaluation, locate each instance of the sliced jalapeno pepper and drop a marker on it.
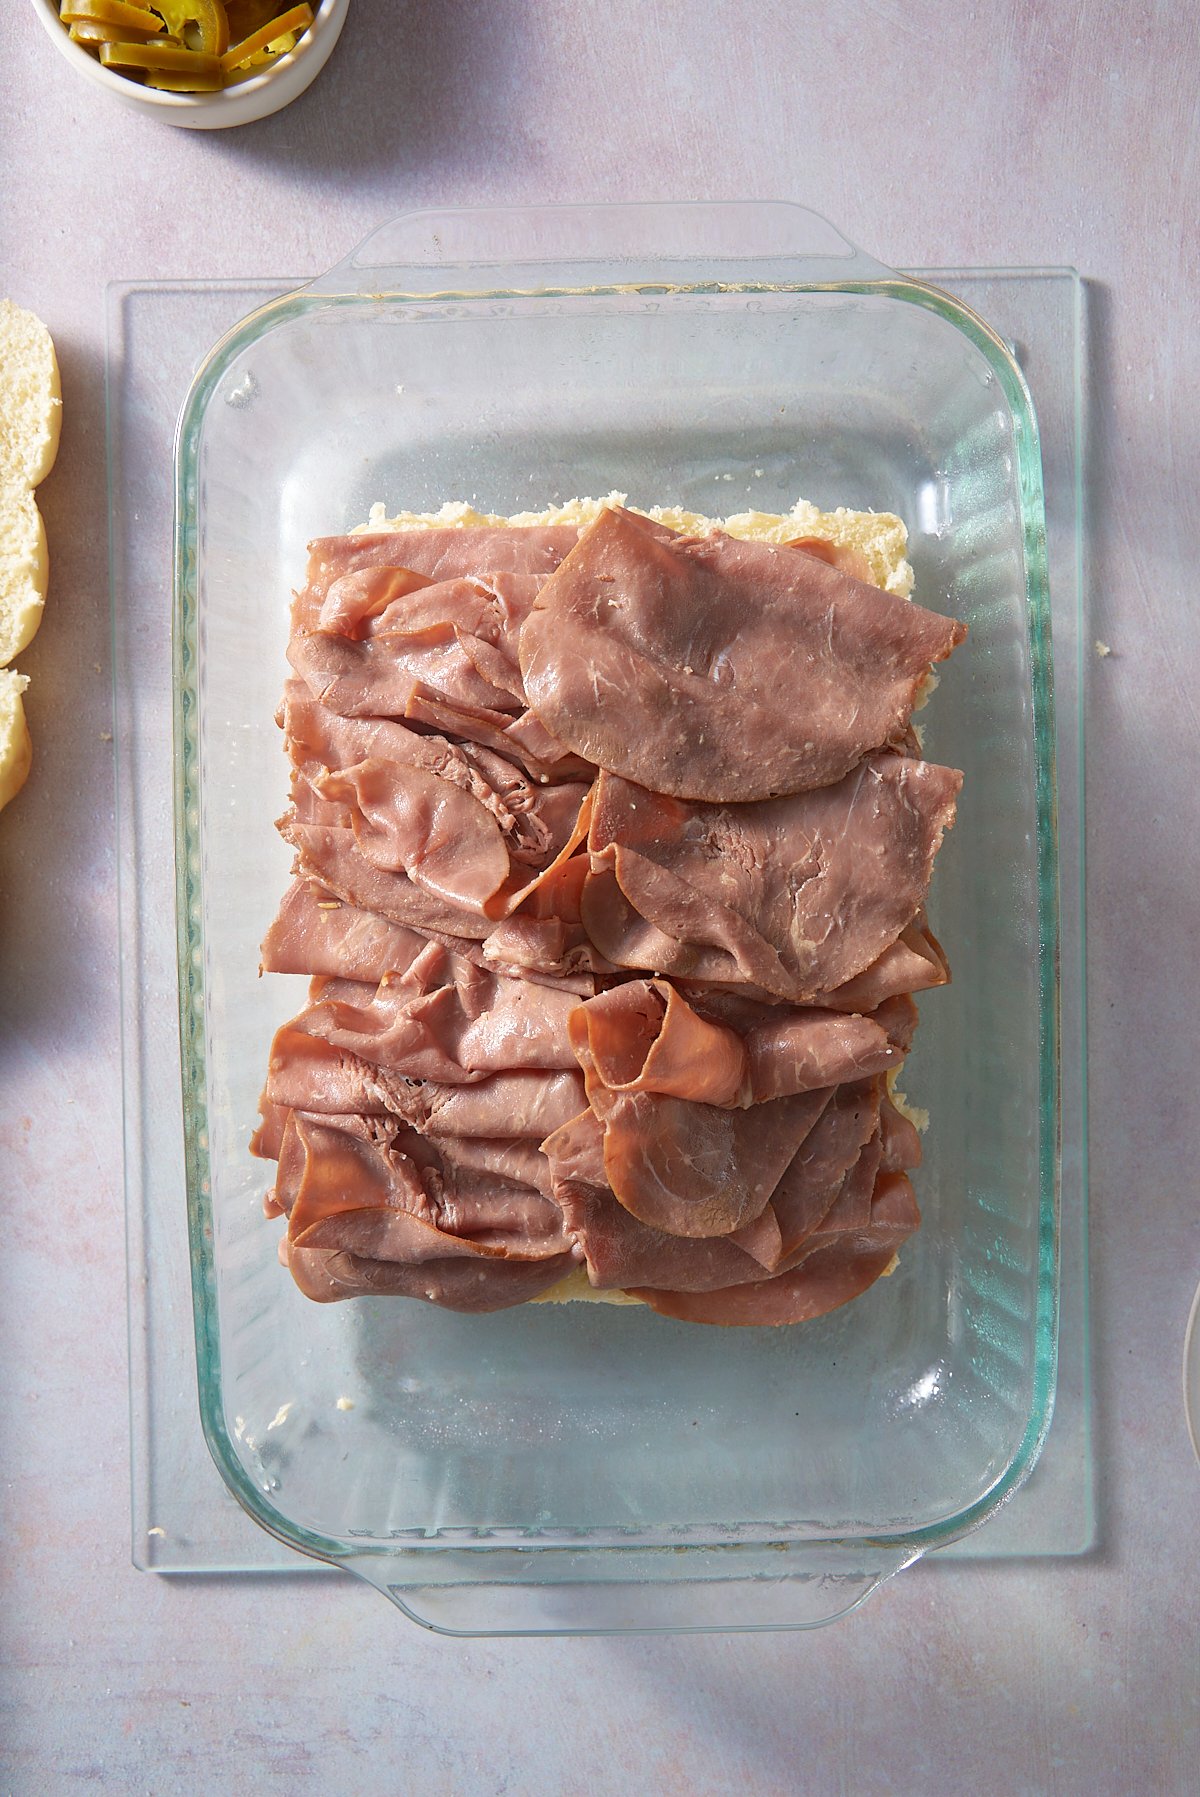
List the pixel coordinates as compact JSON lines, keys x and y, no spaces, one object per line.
{"x":296,"y":18}
{"x":111,"y":12}
{"x":199,"y":24}
{"x":162,"y":58}
{"x":191,"y":83}
{"x":87,"y":31}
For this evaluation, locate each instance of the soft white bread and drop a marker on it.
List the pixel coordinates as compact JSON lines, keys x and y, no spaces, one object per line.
{"x":880,"y":538}
{"x":30,"y":415}
{"x":24,"y":568}
{"x":30,"y":396}
{"x":16,"y":750}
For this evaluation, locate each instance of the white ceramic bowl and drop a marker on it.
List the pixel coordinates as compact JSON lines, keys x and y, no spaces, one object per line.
{"x":240,"y":105}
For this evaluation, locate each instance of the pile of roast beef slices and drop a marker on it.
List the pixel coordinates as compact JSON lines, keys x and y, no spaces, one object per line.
{"x":611,"y":853}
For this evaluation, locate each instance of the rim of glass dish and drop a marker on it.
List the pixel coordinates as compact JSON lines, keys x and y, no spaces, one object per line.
{"x":911,"y":1543}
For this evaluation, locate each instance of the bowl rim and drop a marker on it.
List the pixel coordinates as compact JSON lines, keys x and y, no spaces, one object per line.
{"x":155,"y":99}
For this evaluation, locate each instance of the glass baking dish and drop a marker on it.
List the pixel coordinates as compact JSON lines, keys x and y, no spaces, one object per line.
{"x":584,"y":1468}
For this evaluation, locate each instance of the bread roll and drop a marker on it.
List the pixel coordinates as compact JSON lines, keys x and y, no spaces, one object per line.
{"x":30,"y":414}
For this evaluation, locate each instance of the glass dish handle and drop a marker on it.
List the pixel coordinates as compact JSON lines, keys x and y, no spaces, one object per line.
{"x":498,"y":249}
{"x":579,"y":1589}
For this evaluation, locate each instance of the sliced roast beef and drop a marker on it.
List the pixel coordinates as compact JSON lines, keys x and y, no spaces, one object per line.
{"x":476,"y":1285}
{"x":460,"y":821}
{"x":330,"y":854}
{"x":644,"y":1035}
{"x":379,"y":676}
{"x":838,"y":555}
{"x":830,"y":1276}
{"x":395,"y":602}
{"x":813,"y":1183}
{"x":472,"y":550}
{"x":913,"y":963}
{"x":382,"y":1189}
{"x":808,"y":1049}
{"x":441,"y":655}
{"x":619,"y":1249}
{"x":305,"y":1073}
{"x":698,"y":1169}
{"x":446,"y":1019}
{"x":794,"y":896}
{"x":309,"y":1072}
{"x":267,"y":1139}
{"x":900,"y":1144}
{"x":401,"y":1216}
{"x":314,"y":932}
{"x":482,"y":1090}
{"x":722,"y":670}
{"x":448,"y":839}
{"x":522,"y":739}
{"x":547,"y":949}
{"x":354,"y":602}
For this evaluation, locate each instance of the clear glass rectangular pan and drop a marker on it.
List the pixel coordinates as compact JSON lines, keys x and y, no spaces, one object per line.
{"x":579,"y":1468}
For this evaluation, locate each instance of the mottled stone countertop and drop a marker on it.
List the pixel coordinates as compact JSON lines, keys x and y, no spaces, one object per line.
{"x":933,"y":135}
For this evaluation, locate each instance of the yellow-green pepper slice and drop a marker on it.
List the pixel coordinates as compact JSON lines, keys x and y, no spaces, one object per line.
{"x":199,"y":24}
{"x":87,"y":31}
{"x":191,"y":83}
{"x":118,"y":13}
{"x":296,"y":18}
{"x":161,"y":58}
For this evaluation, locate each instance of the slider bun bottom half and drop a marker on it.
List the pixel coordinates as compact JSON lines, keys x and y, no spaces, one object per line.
{"x":16,"y":750}
{"x":30,"y":417}
{"x":880,"y":537}
{"x":574,"y":1287}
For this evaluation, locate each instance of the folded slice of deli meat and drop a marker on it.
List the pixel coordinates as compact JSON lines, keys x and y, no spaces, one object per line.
{"x":837,"y":1270}
{"x":795,"y":896}
{"x":460,"y":821}
{"x":439,"y":654}
{"x":433,"y":555}
{"x":644,"y":1035}
{"x":373,"y":1206}
{"x":718,"y":669}
{"x":314,"y":932}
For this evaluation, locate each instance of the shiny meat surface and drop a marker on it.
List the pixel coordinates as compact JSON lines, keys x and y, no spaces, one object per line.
{"x":712,"y":668}
{"x":611,"y":863}
{"x":795,"y":895}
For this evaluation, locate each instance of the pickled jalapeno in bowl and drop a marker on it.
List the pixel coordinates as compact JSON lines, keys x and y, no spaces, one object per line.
{"x":202,"y":64}
{"x":187,"y":46}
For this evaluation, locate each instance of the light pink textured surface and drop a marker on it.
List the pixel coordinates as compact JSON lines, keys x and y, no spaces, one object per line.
{"x":932,"y":135}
